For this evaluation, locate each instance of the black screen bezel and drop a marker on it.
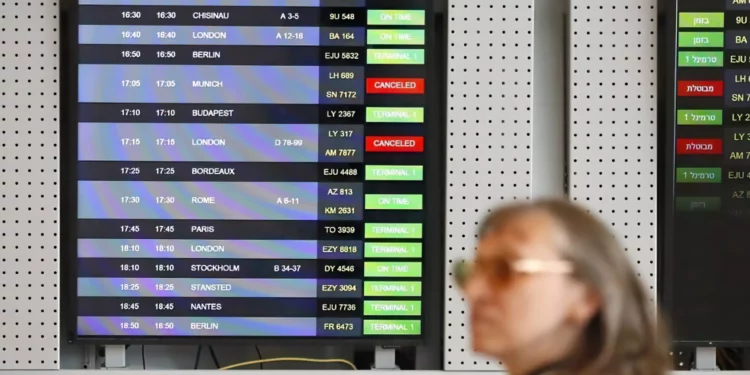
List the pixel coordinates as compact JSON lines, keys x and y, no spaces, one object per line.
{"x":434,"y":176}
{"x":668,"y":162}
{"x":666,"y":282}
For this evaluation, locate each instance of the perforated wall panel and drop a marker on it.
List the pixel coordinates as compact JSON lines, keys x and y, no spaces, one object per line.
{"x":489,"y":137}
{"x":613,"y":120}
{"x":28,"y":185}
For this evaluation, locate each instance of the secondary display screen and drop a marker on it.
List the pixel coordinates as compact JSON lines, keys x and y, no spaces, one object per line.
{"x":253,"y":168}
{"x":708,"y":171}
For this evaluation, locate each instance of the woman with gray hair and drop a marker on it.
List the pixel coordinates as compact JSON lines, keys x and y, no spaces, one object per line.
{"x":552,"y":292}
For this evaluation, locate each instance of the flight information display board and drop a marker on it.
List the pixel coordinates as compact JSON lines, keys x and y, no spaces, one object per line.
{"x":708,"y":171}
{"x":253,"y":168}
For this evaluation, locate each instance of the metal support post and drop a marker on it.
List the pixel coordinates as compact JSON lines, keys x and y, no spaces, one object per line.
{"x":90,"y":358}
{"x":385,"y":359}
{"x":705,"y":359}
{"x":115,"y":356}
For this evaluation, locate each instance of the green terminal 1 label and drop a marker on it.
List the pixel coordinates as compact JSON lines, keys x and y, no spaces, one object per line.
{"x":394,"y":173}
{"x":391,"y":327}
{"x":701,"y":20}
{"x":398,"y":231}
{"x":395,"y":56}
{"x":393,"y":289}
{"x":698,"y":175}
{"x":700,"y":39}
{"x":392,"y":308}
{"x":395,"y":114}
{"x":698,"y":204}
{"x":700,"y":117}
{"x":393,"y":250}
{"x":393,"y":269}
{"x":697,"y":59}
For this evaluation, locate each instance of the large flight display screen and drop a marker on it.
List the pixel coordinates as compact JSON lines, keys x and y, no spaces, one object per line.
{"x":253,"y":168}
{"x":708,"y":171}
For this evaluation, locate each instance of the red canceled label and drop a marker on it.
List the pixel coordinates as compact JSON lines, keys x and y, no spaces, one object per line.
{"x":692,"y":146}
{"x":395,"y":86}
{"x":394,"y":144}
{"x":700,"y":88}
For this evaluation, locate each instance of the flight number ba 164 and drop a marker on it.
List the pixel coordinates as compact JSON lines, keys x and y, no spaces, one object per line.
{"x":341,"y":36}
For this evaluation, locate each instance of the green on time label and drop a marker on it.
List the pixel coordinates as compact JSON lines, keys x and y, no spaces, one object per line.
{"x":698,"y":204}
{"x":701,"y":20}
{"x":703,"y":39}
{"x":393,"y":201}
{"x":393,"y":269}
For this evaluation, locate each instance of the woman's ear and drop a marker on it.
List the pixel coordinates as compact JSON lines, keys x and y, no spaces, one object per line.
{"x":585,"y":305}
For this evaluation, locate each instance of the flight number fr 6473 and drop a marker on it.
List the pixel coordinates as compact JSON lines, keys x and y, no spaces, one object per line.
{"x":338,"y":326}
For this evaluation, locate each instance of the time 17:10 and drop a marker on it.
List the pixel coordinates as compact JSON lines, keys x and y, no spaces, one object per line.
{"x":135,"y":112}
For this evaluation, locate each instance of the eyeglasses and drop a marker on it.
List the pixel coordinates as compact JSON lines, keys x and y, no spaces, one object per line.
{"x":500,"y":272}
